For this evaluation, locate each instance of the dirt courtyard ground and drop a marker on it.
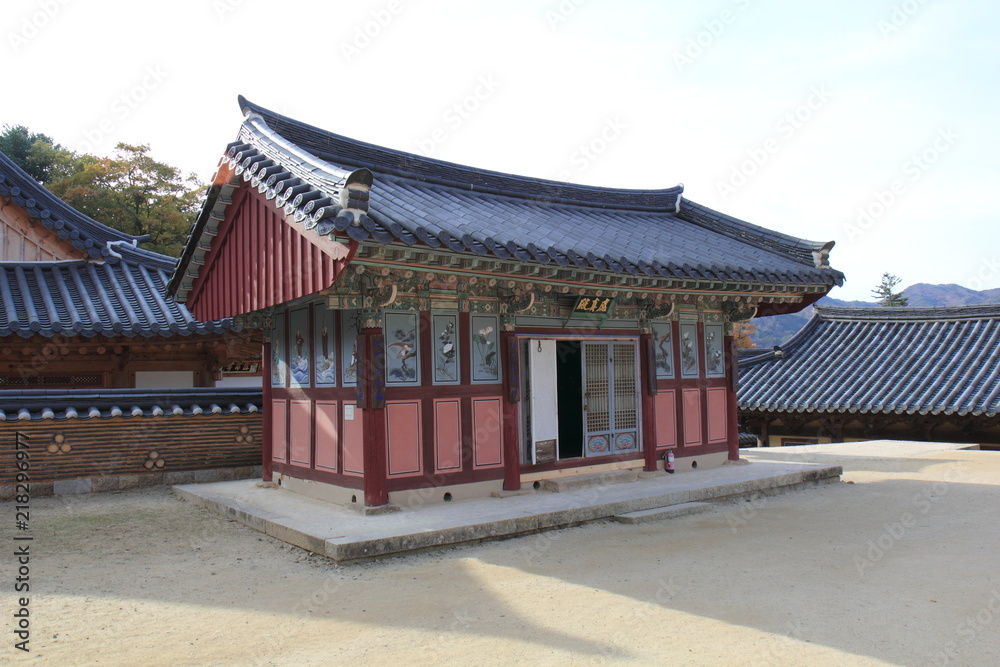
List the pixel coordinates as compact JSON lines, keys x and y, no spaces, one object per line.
{"x":895,"y":565}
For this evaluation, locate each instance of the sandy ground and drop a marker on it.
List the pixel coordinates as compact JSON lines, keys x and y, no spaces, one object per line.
{"x":896,"y":566}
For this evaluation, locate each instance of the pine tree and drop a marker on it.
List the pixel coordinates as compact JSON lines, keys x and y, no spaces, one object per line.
{"x":884,"y":294}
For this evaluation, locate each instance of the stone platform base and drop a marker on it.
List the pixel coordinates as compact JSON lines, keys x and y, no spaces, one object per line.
{"x":98,"y":484}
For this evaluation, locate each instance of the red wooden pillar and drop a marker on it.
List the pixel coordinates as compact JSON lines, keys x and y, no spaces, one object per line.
{"x":647,"y":377}
{"x":266,"y":441}
{"x":376,"y":464}
{"x":732,"y":402}
{"x":512,"y":396}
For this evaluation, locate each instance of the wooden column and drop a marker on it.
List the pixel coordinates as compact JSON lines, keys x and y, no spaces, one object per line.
{"x":376,"y":464}
{"x":512,"y":396}
{"x":732,"y":402}
{"x":266,"y":434}
{"x":647,"y":378}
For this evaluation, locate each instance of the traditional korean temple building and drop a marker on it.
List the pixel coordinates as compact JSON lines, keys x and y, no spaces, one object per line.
{"x":930,"y":374}
{"x":89,"y":340}
{"x":438,"y":331}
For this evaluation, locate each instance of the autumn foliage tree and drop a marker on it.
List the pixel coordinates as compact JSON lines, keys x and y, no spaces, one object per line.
{"x":129,"y":191}
{"x":743,"y":334}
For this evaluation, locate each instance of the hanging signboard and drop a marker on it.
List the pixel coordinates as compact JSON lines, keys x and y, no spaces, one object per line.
{"x":593,"y":306}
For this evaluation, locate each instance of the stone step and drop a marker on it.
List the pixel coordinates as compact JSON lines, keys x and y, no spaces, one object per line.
{"x":661,"y":513}
{"x":577,"y":482}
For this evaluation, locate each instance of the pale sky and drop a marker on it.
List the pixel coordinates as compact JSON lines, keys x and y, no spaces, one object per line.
{"x":871,"y":123}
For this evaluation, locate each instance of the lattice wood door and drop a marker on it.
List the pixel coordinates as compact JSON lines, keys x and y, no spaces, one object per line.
{"x":610,"y":398}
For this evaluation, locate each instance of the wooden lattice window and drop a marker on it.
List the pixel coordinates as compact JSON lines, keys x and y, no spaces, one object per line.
{"x":51,"y":380}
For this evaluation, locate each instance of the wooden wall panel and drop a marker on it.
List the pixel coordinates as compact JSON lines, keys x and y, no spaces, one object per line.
{"x":718,"y":430}
{"x":279,"y":429}
{"x":124,"y":446}
{"x":665,"y":407}
{"x":354,"y":441}
{"x":326,"y":435}
{"x":691,"y":403}
{"x":403,"y":437}
{"x":447,"y":435}
{"x":300,"y":432}
{"x":24,"y":239}
{"x":486,"y":433}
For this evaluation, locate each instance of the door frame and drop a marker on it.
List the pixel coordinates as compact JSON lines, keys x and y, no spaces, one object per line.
{"x":527,"y":448}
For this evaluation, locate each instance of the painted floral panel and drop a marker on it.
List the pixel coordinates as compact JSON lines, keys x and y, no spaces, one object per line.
{"x":663,"y":348}
{"x":485,"y":349}
{"x":350,"y":327}
{"x":715,"y":355}
{"x":325,"y":344}
{"x":298,"y":347}
{"x":689,"y":350}
{"x":445,"y":330}
{"x":402,"y":357}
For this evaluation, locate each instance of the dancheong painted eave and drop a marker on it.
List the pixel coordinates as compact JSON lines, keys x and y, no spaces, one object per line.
{"x":334,"y":186}
{"x":881,"y":360}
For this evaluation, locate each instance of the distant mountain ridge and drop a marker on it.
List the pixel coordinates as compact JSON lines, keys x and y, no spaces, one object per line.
{"x":777,"y":329}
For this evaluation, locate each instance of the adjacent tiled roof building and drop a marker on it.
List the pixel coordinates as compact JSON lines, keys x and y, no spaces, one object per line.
{"x":109,"y":378}
{"x":899,"y":365}
{"x":118,"y":290}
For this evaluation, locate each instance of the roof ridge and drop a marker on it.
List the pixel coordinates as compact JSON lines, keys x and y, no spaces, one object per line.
{"x":910,"y":313}
{"x":345,"y":151}
{"x":812,"y":253}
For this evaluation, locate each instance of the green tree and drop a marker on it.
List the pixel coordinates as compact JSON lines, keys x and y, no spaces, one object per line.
{"x":135,"y":194}
{"x":884,"y":294}
{"x":36,"y":153}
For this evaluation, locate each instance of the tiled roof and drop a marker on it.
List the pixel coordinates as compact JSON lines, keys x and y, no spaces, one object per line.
{"x":413,"y":199}
{"x":59,"y":405}
{"x":123,"y":295}
{"x":881,"y":360}
{"x":82,"y":232}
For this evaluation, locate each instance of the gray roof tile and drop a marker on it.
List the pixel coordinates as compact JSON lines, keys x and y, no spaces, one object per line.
{"x":414,"y":198}
{"x":61,"y":404}
{"x":881,"y":360}
{"x":123,"y":295}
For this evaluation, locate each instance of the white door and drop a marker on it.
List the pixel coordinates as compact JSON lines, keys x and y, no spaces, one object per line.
{"x":544,"y":399}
